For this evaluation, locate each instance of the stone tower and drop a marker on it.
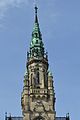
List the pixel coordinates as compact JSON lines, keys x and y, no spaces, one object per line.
{"x":38,"y":97}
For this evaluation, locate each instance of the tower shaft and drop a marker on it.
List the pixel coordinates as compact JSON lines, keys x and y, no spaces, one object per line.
{"x":38,"y":97}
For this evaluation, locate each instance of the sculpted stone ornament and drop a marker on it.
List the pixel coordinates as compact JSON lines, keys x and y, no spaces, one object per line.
{"x":39,"y":107}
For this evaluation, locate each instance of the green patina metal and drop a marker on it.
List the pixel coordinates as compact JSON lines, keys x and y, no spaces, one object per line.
{"x":36,"y":45}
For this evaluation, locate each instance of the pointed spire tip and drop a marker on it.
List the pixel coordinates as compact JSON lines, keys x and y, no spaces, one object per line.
{"x":36,"y":9}
{"x":36,"y":18}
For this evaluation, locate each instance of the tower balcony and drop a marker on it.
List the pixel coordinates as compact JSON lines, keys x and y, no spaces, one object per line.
{"x":38,"y":91}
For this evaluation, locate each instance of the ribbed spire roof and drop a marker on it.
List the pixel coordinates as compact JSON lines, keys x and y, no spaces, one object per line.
{"x":36,"y":30}
{"x":36,"y":42}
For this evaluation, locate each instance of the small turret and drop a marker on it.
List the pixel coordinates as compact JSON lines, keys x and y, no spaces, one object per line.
{"x":50,"y":80}
{"x":26,"y":81}
{"x":25,"y":94}
{"x":51,"y":89}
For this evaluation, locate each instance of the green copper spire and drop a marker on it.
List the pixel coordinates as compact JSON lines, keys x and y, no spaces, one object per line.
{"x":36,"y":46}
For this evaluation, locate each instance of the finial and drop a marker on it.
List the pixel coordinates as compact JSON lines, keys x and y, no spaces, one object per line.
{"x":9,"y":114}
{"x":35,"y":1}
{"x":5,"y":115}
{"x":36,"y":18}
{"x":36,"y":8}
{"x":67,"y":116}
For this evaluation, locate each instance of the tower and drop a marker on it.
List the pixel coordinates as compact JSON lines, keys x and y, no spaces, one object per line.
{"x":38,"y":97}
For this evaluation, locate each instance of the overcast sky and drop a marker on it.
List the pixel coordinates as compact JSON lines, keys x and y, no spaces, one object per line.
{"x":60,"y":26}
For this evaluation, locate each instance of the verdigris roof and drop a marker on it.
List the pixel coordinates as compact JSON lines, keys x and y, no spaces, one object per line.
{"x":36,"y":45}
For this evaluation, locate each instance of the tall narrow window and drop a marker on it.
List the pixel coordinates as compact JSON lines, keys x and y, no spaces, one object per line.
{"x":37,"y":77}
{"x":45,"y":80}
{"x":31,"y":78}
